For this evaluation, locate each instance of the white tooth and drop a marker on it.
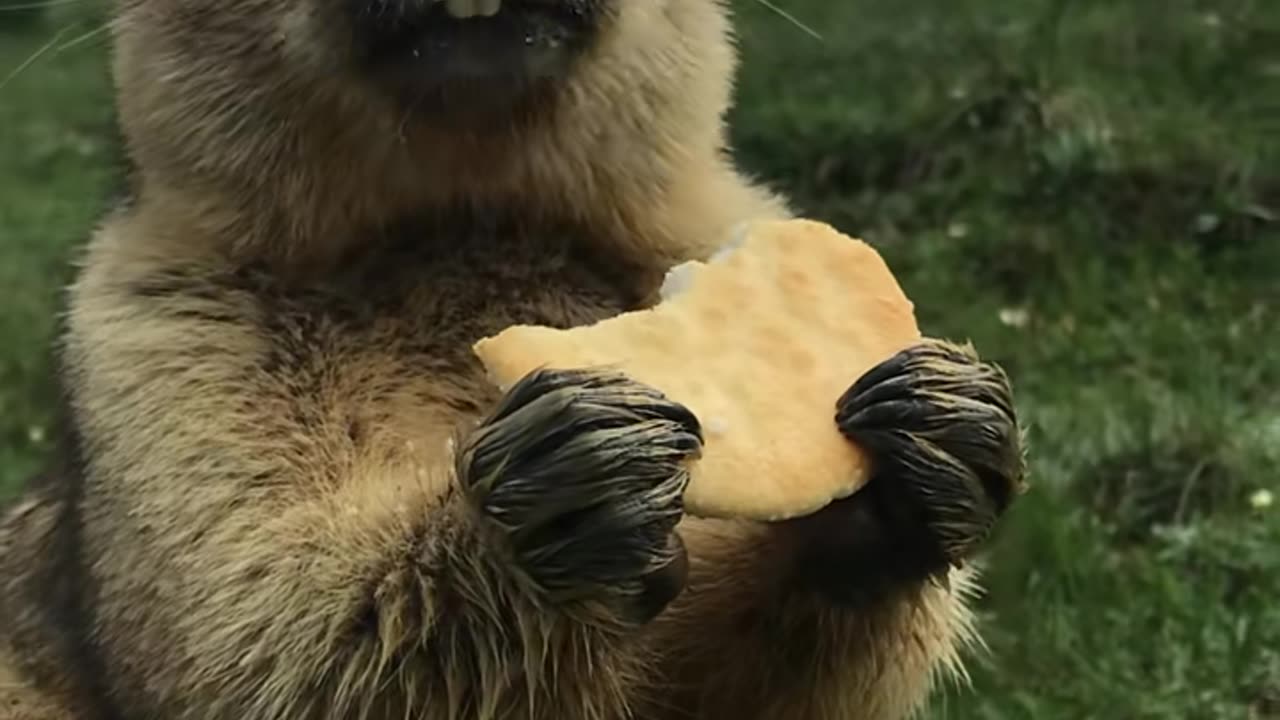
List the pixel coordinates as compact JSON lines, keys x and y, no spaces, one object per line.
{"x":460,"y":8}
{"x":488,"y":8}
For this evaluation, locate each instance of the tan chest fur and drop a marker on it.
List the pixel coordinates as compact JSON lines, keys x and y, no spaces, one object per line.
{"x":371,"y":357}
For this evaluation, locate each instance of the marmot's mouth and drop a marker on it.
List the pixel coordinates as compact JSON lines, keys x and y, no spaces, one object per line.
{"x":446,"y":43}
{"x":463,"y":9}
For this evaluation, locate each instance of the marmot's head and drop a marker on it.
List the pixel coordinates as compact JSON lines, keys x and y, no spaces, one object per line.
{"x":318,"y":117}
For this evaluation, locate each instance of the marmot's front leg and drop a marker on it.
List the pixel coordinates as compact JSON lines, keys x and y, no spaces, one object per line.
{"x":580,"y":476}
{"x":833,"y":616}
{"x":943,"y":433}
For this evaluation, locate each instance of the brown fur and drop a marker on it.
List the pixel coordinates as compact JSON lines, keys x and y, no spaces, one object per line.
{"x":264,"y":512}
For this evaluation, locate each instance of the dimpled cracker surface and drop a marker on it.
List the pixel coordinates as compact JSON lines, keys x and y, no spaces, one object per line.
{"x":759,"y":342}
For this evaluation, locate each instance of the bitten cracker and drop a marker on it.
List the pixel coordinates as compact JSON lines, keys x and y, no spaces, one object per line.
{"x":759,"y":343}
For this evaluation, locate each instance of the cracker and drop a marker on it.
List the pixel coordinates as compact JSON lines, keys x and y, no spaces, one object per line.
{"x":759,"y":343}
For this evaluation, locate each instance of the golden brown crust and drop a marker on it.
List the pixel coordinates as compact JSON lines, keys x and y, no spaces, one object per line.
{"x":757,"y":346}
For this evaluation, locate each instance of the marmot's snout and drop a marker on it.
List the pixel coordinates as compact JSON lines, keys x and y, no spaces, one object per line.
{"x":472,"y":50}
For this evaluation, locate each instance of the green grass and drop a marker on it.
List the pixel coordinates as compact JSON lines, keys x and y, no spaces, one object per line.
{"x":1088,"y":190}
{"x":55,"y":168}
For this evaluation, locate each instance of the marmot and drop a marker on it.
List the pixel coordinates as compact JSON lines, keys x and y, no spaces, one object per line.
{"x":289,"y":491}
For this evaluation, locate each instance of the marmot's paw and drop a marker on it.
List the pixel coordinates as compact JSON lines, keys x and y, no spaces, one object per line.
{"x":583,"y":475}
{"x":942,"y":429}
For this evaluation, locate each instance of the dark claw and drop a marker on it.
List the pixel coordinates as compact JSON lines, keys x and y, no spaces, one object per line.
{"x":661,"y":586}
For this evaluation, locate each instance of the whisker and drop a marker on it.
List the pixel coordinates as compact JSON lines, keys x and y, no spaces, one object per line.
{"x":790,"y":18}
{"x":84,"y":37}
{"x":18,"y":7}
{"x":43,"y":49}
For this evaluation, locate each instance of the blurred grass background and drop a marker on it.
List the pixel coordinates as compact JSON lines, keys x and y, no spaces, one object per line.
{"x":1088,"y":189}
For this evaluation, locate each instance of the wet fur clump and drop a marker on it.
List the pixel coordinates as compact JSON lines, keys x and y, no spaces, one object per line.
{"x":584,"y":473}
{"x":944,"y":422}
{"x":289,"y":489}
